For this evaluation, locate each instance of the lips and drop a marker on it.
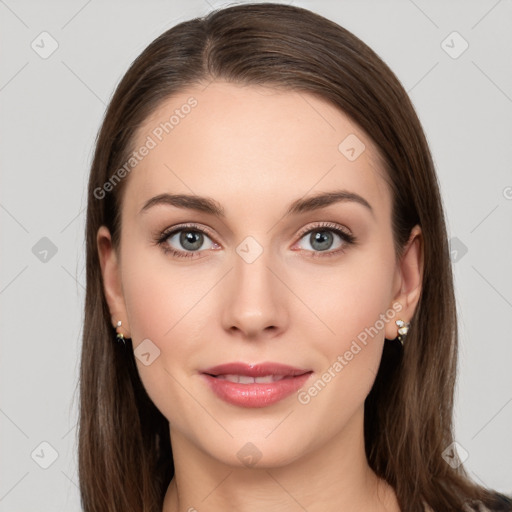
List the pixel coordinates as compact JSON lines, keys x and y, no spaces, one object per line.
{"x":254,"y":385}
{"x":255,"y":370}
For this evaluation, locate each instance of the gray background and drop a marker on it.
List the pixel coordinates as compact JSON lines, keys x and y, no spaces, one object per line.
{"x":51,"y":110}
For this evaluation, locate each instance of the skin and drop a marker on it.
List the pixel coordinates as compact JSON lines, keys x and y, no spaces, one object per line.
{"x":255,"y":150}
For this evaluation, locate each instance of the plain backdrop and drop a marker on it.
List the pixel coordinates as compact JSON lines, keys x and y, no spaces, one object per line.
{"x":454,"y":59}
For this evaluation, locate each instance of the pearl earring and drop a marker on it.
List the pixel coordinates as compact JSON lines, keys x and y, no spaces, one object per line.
{"x":119,"y":336}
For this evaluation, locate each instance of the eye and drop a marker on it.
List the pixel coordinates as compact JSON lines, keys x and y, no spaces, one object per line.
{"x":183,"y":241}
{"x":187,"y":241}
{"x":326,"y":238}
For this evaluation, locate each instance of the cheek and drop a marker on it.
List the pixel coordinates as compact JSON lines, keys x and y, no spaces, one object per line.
{"x":348,"y":300}
{"x":159,"y":295}
{"x":352,"y":308}
{"x":157,"y":304}
{"x":353,"y":301}
{"x":164,"y":304}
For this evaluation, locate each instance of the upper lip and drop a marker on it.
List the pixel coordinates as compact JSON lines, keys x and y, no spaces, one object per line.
{"x":255,"y":370}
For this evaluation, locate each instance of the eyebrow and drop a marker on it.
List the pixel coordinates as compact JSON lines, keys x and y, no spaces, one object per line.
{"x":302,"y":205}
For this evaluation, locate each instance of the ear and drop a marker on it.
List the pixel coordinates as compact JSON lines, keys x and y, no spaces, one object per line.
{"x":112,"y":285}
{"x":408,"y":281}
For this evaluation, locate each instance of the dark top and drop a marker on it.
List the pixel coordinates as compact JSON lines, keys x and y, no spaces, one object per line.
{"x":502,"y":503}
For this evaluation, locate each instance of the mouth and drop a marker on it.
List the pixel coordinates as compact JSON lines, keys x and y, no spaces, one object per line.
{"x":254,"y":385}
{"x":246,"y":379}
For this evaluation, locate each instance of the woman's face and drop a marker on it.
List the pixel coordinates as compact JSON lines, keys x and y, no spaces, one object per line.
{"x":275,"y":278}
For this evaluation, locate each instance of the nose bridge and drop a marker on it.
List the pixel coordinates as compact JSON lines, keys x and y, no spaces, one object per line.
{"x":255,"y":303}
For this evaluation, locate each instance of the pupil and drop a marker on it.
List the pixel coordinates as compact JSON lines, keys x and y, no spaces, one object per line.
{"x":324,"y":239}
{"x":191,"y":237}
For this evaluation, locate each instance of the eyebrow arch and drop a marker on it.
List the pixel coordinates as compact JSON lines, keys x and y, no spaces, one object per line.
{"x":323,"y":199}
{"x":208,"y":205}
{"x":191,"y":202}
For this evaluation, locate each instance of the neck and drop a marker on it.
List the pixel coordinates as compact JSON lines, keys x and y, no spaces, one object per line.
{"x":333,"y":477}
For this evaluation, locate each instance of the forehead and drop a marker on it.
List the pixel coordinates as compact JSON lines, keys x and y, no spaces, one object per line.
{"x":248,"y":146}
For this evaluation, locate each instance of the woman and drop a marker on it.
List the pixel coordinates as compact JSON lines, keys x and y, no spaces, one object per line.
{"x":270,"y":320}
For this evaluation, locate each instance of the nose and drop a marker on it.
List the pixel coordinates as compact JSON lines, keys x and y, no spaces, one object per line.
{"x":255,"y":300}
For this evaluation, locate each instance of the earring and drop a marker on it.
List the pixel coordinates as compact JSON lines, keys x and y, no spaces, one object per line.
{"x":403,"y":329}
{"x":119,"y":336}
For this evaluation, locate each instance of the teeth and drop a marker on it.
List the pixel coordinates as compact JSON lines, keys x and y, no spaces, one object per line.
{"x":245,"y":379}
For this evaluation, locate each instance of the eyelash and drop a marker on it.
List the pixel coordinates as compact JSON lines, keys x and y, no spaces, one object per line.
{"x":347,"y":238}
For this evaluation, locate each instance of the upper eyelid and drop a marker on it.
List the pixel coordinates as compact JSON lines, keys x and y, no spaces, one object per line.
{"x":327,"y":225}
{"x":181,"y":227}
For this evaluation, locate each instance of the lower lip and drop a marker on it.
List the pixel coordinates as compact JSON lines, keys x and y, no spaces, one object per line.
{"x":255,"y":395}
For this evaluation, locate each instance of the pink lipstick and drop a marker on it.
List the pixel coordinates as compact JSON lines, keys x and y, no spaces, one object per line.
{"x":254,"y":385}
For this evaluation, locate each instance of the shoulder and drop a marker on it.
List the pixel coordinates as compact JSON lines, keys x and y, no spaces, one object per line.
{"x":500,"y":503}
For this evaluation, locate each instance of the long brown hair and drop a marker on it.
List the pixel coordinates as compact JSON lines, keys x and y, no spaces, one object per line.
{"x":125,"y":458}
